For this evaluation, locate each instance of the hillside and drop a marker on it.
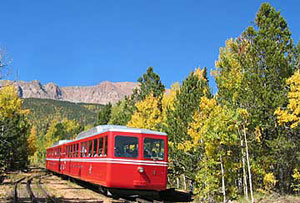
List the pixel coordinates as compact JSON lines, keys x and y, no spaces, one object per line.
{"x":42,"y":111}
{"x":103,"y":93}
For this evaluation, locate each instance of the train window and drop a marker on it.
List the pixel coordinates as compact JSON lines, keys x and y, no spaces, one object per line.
{"x":100,"y":146}
{"x":90,"y":149}
{"x":126,"y":146}
{"x":154,"y":149}
{"x":76,"y":150}
{"x":86,"y":149}
{"x":95,"y":148}
{"x":105,"y":149}
{"x":73,"y":149}
{"x":70,"y":150}
{"x":82,"y":149}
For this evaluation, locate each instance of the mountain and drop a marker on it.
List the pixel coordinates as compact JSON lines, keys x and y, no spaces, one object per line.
{"x":42,"y":111}
{"x":102,"y":93}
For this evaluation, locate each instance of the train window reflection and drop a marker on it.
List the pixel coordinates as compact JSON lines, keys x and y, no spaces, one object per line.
{"x":154,"y":149}
{"x":82,"y":149}
{"x":77,"y":150}
{"x":90,"y":148}
{"x":95,"y":148}
{"x":85,"y":149}
{"x":106,"y":142}
{"x":100,"y":146}
{"x":126,"y":146}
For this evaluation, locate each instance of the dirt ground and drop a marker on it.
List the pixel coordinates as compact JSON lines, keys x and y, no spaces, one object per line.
{"x":61,"y":190}
{"x":67,"y":191}
{"x":70,"y":192}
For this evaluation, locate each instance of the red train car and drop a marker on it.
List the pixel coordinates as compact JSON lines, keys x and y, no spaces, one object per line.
{"x":113,"y":157}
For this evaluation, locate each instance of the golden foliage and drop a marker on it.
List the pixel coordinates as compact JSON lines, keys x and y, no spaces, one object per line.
{"x":228,"y":71}
{"x":291,"y":114}
{"x":200,"y":73}
{"x":50,"y":135}
{"x":296,"y":177}
{"x":151,"y":113}
{"x":212,"y":126}
{"x":10,"y":103}
{"x":269,"y":181}
{"x":168,"y":99}
{"x":147,"y":115}
{"x":32,"y":141}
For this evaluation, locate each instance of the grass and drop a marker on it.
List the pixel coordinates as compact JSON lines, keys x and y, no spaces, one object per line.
{"x":274,"y":197}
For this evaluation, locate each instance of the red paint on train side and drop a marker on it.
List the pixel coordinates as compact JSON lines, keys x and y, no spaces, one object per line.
{"x":105,"y":167}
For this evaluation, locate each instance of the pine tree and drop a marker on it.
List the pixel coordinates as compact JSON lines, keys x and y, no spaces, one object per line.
{"x":259,"y":62}
{"x":178,"y":118}
{"x":13,"y":130}
{"x":104,"y":115}
{"x":149,"y":83}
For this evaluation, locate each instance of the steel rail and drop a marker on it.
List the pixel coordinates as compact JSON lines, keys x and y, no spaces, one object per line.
{"x":15,"y":190}
{"x":45,"y":192}
{"x":28,"y":187}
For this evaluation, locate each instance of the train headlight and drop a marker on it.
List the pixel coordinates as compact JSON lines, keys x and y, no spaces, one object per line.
{"x":140,"y":169}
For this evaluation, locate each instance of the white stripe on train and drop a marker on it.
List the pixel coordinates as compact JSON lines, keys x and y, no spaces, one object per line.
{"x":114,"y":161}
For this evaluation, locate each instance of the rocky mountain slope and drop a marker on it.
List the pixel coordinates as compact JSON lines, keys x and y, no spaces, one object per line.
{"x":102,"y":93}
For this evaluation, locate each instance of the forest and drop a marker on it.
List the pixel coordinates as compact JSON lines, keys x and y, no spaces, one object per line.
{"x":242,"y":141}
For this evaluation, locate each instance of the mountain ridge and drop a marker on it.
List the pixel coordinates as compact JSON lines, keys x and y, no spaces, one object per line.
{"x":102,"y":93}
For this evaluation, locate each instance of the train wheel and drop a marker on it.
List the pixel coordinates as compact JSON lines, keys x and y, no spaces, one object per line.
{"x":103,"y":190}
{"x":108,"y":193}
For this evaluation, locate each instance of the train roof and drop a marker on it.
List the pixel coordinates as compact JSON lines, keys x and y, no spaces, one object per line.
{"x":115,"y":128}
{"x":60,"y":142}
{"x":106,"y":128}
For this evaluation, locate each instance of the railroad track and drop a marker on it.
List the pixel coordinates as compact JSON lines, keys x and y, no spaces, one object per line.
{"x":15,"y":191}
{"x":32,"y":197}
{"x":43,"y":195}
{"x":30,"y":188}
{"x":45,"y":192}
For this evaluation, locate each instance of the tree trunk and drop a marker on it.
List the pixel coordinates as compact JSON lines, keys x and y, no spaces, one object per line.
{"x":249,"y":167}
{"x":177,"y":182}
{"x":223,"y":181}
{"x":245,"y":185}
{"x":184,"y":182}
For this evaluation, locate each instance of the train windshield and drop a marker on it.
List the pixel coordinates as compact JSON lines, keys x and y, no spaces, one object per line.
{"x":126,"y":146}
{"x":154,"y":149}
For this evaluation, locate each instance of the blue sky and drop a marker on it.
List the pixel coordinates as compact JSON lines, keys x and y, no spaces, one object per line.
{"x":84,"y":42}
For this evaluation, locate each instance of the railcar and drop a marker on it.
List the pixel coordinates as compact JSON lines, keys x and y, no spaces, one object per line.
{"x":114,"y":157}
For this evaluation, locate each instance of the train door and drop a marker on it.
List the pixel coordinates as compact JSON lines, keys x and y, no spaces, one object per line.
{"x":69,"y":153}
{"x":59,"y":159}
{"x":62,"y":160}
{"x":154,"y":151}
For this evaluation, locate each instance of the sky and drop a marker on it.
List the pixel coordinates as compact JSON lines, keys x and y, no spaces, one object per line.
{"x":85,"y":42}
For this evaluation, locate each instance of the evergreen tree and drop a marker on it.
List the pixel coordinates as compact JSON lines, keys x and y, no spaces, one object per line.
{"x":149,"y":83}
{"x":259,"y":62}
{"x":121,"y":112}
{"x":178,"y":118}
{"x":13,"y":131}
{"x":105,"y":114}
